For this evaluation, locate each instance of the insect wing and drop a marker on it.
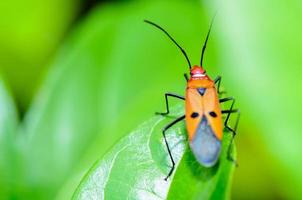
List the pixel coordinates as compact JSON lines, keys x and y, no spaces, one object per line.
{"x":205,"y":145}
{"x":204,"y":124}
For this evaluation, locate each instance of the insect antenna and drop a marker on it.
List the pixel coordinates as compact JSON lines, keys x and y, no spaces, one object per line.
{"x":206,"y":41}
{"x":182,"y":50}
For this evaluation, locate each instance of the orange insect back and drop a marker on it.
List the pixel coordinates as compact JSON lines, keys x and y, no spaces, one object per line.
{"x":203,"y":117}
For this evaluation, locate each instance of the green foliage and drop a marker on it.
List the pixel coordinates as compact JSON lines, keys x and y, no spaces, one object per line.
{"x":30,"y":33}
{"x":135,"y":168}
{"x":261,"y":48}
{"x":8,"y":125}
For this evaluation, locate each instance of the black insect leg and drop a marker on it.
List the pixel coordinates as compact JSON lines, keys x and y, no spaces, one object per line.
{"x":186,"y":77}
{"x":232,"y":130}
{"x":227,"y":99}
{"x":169,"y":151}
{"x":217,"y":81}
{"x":167,"y":102}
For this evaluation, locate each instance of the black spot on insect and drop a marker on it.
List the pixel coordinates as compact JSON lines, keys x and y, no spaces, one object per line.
{"x":194,"y":114}
{"x":213,"y":114}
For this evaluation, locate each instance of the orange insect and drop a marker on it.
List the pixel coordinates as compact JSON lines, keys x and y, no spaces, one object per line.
{"x":203,"y":114}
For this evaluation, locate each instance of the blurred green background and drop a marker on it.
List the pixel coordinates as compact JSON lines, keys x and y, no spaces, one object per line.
{"x":78,"y":75}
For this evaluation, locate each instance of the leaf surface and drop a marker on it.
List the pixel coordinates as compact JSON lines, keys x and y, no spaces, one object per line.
{"x":136,"y":167}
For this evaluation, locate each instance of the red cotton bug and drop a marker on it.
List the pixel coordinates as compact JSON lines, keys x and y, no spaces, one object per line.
{"x":203,"y":115}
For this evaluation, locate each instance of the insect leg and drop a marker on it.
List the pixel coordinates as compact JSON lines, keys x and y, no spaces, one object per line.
{"x":227,"y":99}
{"x":218,"y":80}
{"x":169,"y":151}
{"x":230,"y":111}
{"x":167,"y":102}
{"x":232,"y":130}
{"x":233,"y":111}
{"x":186,"y":77}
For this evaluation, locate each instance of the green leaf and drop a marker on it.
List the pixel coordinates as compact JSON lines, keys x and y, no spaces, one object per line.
{"x":135,"y":168}
{"x":8,"y":126}
{"x":193,"y":181}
